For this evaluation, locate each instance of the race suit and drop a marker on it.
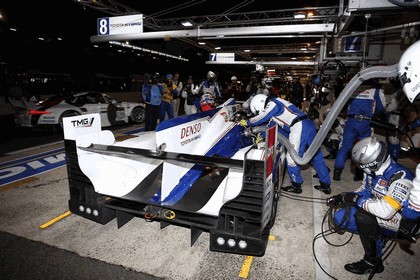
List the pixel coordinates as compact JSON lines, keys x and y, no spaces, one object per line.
{"x":389,"y":206}
{"x":299,"y":129}
{"x":363,"y":106}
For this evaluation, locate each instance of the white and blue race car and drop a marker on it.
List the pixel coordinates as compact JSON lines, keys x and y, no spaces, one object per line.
{"x":201,"y":171}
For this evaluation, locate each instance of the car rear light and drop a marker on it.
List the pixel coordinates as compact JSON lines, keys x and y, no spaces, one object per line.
{"x":36,"y":112}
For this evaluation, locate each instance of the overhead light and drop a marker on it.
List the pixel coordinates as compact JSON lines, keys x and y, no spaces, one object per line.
{"x":293,"y":58}
{"x":40,"y":38}
{"x":133,"y":48}
{"x":247,"y":50}
{"x":59,"y":39}
{"x":201,"y":43}
{"x":303,"y":49}
{"x":299,"y":15}
{"x":187,"y":23}
{"x":217,"y":48}
{"x":13,"y":29}
{"x":310,"y":14}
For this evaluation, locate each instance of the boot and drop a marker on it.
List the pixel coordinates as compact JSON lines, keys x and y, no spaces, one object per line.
{"x":324,"y":188}
{"x":364,"y":267}
{"x":358,"y":174}
{"x":295,"y":188}
{"x":370,"y":263}
{"x":337,"y":174}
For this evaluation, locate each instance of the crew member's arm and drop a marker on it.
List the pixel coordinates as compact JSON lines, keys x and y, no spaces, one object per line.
{"x":386,"y":207}
{"x":264,"y":117}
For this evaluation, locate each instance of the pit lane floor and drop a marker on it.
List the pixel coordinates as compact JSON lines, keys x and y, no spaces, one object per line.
{"x":144,"y":249}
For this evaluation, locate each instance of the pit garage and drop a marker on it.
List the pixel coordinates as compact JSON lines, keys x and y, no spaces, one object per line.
{"x":118,"y":202}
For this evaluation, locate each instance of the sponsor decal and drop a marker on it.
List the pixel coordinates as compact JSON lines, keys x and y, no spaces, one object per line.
{"x":190,"y":130}
{"x":416,"y":87}
{"x":185,"y":142}
{"x":86,"y":122}
{"x":271,"y":140}
{"x":381,"y":186}
{"x":373,"y":163}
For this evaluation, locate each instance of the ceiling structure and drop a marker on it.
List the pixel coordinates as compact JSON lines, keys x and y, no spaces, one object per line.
{"x":257,"y":32}
{"x":296,"y":38}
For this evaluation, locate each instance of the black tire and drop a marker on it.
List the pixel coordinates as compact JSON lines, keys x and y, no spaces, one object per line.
{"x":67,"y":114}
{"x":138,"y":115}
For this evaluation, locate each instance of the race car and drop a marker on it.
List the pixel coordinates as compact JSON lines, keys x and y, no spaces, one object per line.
{"x":203,"y":171}
{"x":49,"y":112}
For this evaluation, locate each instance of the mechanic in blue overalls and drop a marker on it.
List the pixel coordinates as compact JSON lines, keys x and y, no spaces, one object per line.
{"x":386,"y":205}
{"x":209,"y":86}
{"x":363,"y":106}
{"x":298,"y":128}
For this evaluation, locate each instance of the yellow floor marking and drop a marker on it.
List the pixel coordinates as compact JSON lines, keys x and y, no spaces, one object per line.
{"x":56,"y":219}
{"x":271,"y":237}
{"x":17,"y":184}
{"x":246,"y":267}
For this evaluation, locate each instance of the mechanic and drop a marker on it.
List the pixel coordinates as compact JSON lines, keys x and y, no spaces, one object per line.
{"x":169,"y":92}
{"x":152,"y":92}
{"x":190,"y":94}
{"x":364,"y":104}
{"x":210,"y":86}
{"x":177,"y":98}
{"x":292,"y":122}
{"x":386,"y":204}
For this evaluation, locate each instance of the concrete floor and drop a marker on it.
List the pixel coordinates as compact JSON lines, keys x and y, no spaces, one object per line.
{"x":141,"y":246}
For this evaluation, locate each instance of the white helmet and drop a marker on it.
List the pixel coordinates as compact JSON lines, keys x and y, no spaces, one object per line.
{"x":211,"y":75}
{"x":267,"y":82}
{"x":258,"y":103}
{"x":409,"y":72}
{"x":369,"y":154}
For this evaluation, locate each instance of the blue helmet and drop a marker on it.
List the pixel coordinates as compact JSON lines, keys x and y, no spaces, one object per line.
{"x":169,"y":76}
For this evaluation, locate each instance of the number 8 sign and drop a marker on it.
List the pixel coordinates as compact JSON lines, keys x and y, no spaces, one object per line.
{"x":103,"y":26}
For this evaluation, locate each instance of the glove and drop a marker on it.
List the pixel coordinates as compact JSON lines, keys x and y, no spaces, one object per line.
{"x":259,"y":138}
{"x":243,"y":122}
{"x":343,"y":199}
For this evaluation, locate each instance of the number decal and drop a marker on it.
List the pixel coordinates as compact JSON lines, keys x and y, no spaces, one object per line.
{"x":103,"y":26}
